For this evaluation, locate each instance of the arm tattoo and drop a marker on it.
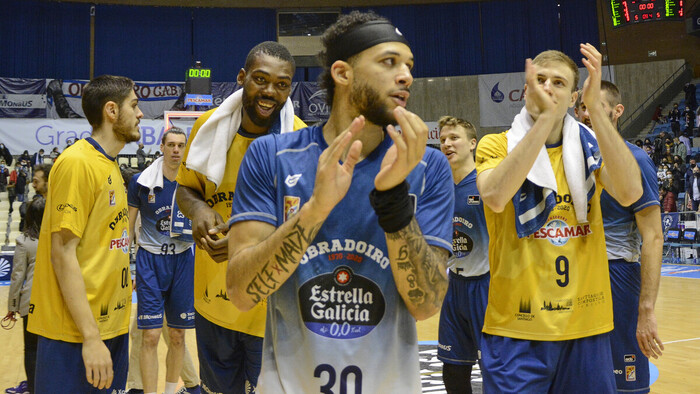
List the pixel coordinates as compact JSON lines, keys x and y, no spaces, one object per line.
{"x":284,"y":259}
{"x":422,"y":269}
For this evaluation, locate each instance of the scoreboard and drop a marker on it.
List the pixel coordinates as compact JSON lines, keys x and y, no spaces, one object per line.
{"x":635,"y":11}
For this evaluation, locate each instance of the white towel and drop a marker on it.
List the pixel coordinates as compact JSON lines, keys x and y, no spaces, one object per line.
{"x":208,"y":150}
{"x":152,"y":176}
{"x":542,"y":174}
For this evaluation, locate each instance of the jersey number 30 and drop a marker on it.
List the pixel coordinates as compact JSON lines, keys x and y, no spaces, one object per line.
{"x":350,"y":369}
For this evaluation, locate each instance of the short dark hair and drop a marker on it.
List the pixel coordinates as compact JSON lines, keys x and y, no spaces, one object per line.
{"x":612,"y":92}
{"x":101,"y":90}
{"x":127,"y":174}
{"x":173,"y":130}
{"x":45,"y":168}
{"x":340,"y":27}
{"x":35,"y":212}
{"x":272,"y":48}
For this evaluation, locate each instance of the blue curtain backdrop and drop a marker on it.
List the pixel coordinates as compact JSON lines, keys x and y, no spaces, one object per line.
{"x":143,"y":43}
{"x":41,"y":39}
{"x":223,"y":37}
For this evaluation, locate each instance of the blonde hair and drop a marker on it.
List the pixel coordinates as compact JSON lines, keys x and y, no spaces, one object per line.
{"x":552,"y":56}
{"x":451,"y":121}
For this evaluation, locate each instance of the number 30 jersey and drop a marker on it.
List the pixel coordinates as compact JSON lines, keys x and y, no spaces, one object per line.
{"x":554,"y":284}
{"x":338,"y":324}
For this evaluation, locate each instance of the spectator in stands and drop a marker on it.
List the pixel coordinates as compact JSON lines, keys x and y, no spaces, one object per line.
{"x":21,"y":287}
{"x":690,"y":96}
{"x":639,"y":143}
{"x":658,"y":147}
{"x":679,"y":148}
{"x":141,"y":157}
{"x":684,"y":139}
{"x":69,"y":142}
{"x":657,"y":118}
{"x":18,"y":178}
{"x":54,"y":154}
{"x":668,"y":148}
{"x":668,"y":200}
{"x":674,"y":116}
{"x":38,"y":158}
{"x":688,"y":117}
{"x":5,"y":154}
{"x":692,"y":189}
{"x":4,"y":173}
{"x":24,"y":159}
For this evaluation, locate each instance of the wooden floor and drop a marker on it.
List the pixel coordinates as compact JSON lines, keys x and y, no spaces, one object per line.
{"x":678,"y":314}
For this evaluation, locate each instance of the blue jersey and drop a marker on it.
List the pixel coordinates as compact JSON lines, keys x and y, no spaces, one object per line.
{"x":154,"y":207}
{"x":470,"y":238}
{"x":622,"y":237}
{"x":340,"y":313}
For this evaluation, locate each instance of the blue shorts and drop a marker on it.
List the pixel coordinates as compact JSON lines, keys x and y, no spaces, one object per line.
{"x":630,"y":364}
{"x":165,"y":283}
{"x":229,"y":361}
{"x":574,"y":366}
{"x":462,"y":318}
{"x":60,"y":367}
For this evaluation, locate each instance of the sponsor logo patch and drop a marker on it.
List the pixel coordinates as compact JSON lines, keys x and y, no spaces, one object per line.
{"x":120,"y":243}
{"x":291,"y":206}
{"x":112,"y":198}
{"x":630,"y":358}
{"x":630,"y":373}
{"x":292,"y":180}
{"x":473,"y":200}
{"x":524,"y":311}
{"x":341,"y":304}
{"x":66,"y":208}
{"x":558,"y":233}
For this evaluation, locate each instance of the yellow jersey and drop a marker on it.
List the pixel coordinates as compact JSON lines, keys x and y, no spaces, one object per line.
{"x":554,"y":284}
{"x":210,"y":298}
{"x":86,"y":195}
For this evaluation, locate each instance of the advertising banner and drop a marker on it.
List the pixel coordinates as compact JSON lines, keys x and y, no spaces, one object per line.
{"x":22,"y":98}
{"x":501,"y":96}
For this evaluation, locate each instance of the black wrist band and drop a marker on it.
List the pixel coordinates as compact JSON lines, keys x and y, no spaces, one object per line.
{"x":394,"y":207}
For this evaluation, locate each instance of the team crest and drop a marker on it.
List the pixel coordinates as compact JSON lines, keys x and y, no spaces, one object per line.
{"x":112,"y":198}
{"x":291,"y":206}
{"x":473,"y":200}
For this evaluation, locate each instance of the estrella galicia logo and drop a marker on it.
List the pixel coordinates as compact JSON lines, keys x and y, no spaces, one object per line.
{"x":341,"y":304}
{"x":496,"y":95}
{"x":66,"y":208}
{"x":462,"y":244}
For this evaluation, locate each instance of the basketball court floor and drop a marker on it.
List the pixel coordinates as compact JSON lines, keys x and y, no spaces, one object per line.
{"x":677,"y":311}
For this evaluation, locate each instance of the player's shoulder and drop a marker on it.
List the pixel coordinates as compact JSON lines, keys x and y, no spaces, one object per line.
{"x":639,"y":154}
{"x":299,"y":139}
{"x":494,"y":139}
{"x":199,"y":122}
{"x":80,"y":155}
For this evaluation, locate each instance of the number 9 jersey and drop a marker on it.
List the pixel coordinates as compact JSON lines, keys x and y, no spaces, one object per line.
{"x":554,"y":284}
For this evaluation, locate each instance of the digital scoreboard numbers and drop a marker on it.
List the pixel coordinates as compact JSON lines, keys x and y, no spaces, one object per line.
{"x":198,"y":87}
{"x":635,"y":11}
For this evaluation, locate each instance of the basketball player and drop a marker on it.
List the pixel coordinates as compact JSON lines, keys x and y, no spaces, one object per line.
{"x":550,"y":307}
{"x":462,"y":313}
{"x":82,"y":287}
{"x":229,"y":341}
{"x":631,"y":233}
{"x":164,"y":265}
{"x":348,"y":255}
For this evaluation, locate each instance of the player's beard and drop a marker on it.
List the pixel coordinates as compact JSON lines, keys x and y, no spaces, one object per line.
{"x":369,"y":103}
{"x":249,"y":107}
{"x":126,"y":132}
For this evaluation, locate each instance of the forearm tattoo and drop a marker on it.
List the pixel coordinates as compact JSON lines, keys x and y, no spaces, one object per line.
{"x":283,"y":262}
{"x":421,"y":267}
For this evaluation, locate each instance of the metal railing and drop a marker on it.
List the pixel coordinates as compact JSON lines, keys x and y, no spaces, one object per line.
{"x":664,"y":93}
